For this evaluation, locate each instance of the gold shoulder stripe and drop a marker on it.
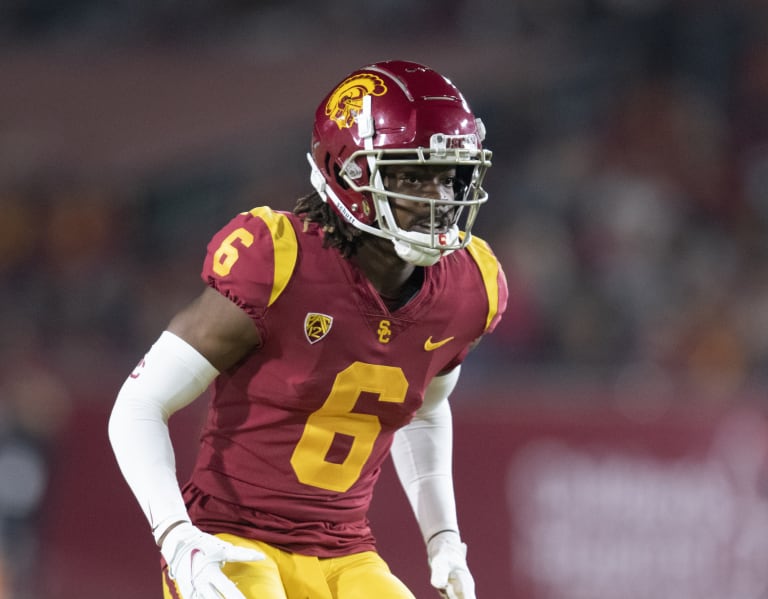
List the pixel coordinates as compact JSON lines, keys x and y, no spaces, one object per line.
{"x":489,"y":270}
{"x":285,"y":247}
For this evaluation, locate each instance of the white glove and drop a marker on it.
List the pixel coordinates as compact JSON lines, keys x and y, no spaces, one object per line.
{"x":194,"y":561}
{"x":448,"y":562}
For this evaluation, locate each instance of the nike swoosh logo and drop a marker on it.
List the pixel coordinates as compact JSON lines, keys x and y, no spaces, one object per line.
{"x":430,"y":345}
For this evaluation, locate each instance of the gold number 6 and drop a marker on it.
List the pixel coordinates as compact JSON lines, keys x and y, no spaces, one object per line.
{"x":227,"y":254}
{"x":336,"y":416}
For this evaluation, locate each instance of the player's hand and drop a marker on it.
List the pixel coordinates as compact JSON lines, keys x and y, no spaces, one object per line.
{"x":448,"y":562}
{"x":194,"y":561}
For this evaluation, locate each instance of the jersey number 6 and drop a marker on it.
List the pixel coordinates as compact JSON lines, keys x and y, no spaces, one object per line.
{"x":227,"y":254}
{"x":336,"y":416}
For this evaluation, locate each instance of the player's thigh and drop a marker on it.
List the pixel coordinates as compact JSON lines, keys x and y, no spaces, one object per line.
{"x":256,"y":580}
{"x":365,"y":575}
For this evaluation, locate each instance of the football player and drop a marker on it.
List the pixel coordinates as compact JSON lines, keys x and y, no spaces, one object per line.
{"x":333,"y":336}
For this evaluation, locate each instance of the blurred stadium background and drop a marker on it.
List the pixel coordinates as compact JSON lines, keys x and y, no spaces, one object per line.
{"x":611,"y":435}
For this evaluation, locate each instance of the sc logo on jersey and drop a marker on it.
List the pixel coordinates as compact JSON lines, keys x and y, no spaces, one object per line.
{"x":384,"y":332}
{"x":346,"y":101}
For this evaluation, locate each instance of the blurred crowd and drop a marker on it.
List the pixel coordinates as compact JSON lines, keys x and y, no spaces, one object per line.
{"x":629,"y":196}
{"x":632,"y":217}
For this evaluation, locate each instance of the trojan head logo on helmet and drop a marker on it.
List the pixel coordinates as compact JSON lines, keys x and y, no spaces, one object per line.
{"x":346,"y":101}
{"x":398,"y":113}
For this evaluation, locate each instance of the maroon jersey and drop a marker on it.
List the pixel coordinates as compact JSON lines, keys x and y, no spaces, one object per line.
{"x":298,"y":430}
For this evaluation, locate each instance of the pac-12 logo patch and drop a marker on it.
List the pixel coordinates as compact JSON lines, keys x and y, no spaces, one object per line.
{"x":346,"y":101}
{"x":316,"y":326}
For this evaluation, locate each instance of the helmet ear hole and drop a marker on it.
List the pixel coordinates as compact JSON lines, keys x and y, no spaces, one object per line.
{"x":339,"y":179}
{"x":327,"y":162}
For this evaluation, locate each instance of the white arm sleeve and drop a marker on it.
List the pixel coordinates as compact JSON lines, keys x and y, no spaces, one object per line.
{"x":170,"y":376}
{"x":422,"y":453}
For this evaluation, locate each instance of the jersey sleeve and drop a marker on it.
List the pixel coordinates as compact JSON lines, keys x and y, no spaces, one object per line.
{"x":494,"y":281}
{"x":251,"y":259}
{"x":496,"y":293}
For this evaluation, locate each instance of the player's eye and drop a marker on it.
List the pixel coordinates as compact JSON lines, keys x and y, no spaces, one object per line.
{"x":409,"y":178}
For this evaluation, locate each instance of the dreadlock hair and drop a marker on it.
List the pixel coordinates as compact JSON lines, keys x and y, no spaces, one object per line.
{"x":336,"y":233}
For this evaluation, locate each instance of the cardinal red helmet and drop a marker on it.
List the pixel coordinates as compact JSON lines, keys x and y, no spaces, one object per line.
{"x":396,"y":113}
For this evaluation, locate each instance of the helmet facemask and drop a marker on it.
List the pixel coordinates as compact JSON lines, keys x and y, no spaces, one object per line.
{"x":446,"y":215}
